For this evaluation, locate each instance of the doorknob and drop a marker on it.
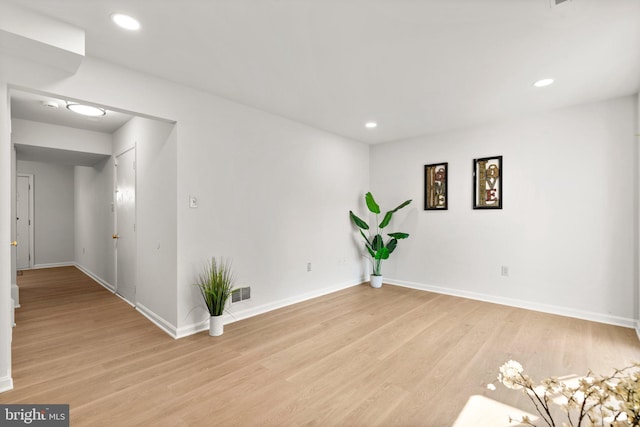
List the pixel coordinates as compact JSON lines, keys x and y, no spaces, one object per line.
{"x":115,"y":236}
{"x":14,"y":243}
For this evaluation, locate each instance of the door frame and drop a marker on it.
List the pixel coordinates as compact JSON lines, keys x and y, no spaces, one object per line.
{"x":31,"y":216}
{"x":115,"y":217}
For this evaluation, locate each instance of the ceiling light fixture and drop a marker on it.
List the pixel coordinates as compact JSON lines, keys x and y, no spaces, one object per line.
{"x":543,"y":82}
{"x":371,"y":125}
{"x":86,"y":110}
{"x":125,"y":21}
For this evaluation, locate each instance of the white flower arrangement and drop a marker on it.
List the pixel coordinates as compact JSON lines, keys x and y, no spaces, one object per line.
{"x":594,"y":401}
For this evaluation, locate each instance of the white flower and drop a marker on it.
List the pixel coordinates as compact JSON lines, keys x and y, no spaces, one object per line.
{"x":510,"y":375}
{"x":491,"y":387}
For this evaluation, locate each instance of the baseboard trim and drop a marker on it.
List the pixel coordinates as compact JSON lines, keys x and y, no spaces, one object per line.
{"x":6,"y":384}
{"x":159,"y":321}
{"x":15,"y":295}
{"x":528,"y":305}
{"x":234,"y":316}
{"x":194,"y":328}
{"x":95,"y":277}
{"x":51,"y":265}
{"x":638,"y":328}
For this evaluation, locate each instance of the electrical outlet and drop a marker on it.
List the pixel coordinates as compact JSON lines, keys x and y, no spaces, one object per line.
{"x":504,"y":271}
{"x":308,"y":266}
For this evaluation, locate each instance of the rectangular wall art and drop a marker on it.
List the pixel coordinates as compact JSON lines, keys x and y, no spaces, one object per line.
{"x":435,"y":187}
{"x":487,"y":183}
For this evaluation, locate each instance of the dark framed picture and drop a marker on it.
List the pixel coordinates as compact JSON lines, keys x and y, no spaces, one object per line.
{"x":487,"y":183}
{"x":435,"y":187}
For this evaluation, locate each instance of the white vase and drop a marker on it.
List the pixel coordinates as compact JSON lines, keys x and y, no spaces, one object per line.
{"x":376,"y":281}
{"x":216,"y":326}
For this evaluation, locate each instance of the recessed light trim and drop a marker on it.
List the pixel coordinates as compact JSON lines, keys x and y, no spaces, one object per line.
{"x":371,"y":125}
{"x":86,"y":110}
{"x":125,"y":21}
{"x":543,"y":82}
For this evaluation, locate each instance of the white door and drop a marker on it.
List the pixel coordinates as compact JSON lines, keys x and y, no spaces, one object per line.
{"x":24,"y":221}
{"x":125,"y":230}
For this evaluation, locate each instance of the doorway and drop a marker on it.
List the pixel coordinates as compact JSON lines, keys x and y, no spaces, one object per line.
{"x":125,"y":225}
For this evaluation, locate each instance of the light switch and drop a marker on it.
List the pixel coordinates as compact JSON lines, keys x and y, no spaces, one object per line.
{"x":193,"y":202}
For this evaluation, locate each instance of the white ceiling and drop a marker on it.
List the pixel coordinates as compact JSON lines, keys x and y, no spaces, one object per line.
{"x":37,"y":107}
{"x":414,"y":66}
{"x":31,"y":106}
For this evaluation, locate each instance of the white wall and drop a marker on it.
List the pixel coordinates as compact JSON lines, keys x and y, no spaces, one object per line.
{"x":637,"y":215}
{"x":7,"y":252}
{"x":28,"y":132}
{"x":93,"y":196}
{"x":156,"y":226}
{"x":566,"y":230}
{"x":15,"y":291}
{"x":273,"y":194}
{"x":53,"y":210}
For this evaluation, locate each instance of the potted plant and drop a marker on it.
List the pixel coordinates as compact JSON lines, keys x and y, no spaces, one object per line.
{"x":216,"y":285}
{"x":377,"y":249}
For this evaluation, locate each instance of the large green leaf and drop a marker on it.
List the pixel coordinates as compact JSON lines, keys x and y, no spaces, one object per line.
{"x":402,"y":205}
{"x":371,"y":203}
{"x":371,"y":252}
{"x":392,"y":245}
{"x":398,"y":235}
{"x":377,"y":243}
{"x":386,"y":220}
{"x":364,"y":236}
{"x":382,"y":253}
{"x":357,"y":221}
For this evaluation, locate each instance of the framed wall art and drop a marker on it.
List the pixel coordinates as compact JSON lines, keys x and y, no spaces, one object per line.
{"x":435,"y":187}
{"x":487,"y":183}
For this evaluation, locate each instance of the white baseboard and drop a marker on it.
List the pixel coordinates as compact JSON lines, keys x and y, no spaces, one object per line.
{"x":544,"y":308}
{"x":52,"y":265}
{"x":15,"y":295}
{"x":6,"y":384}
{"x":194,"y":328}
{"x":159,"y":321}
{"x":264,"y":308}
{"x":638,"y":328}
{"x":95,"y":277}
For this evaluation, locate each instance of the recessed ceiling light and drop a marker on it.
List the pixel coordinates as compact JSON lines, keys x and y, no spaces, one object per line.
{"x":371,"y":125}
{"x":543,"y":82}
{"x":125,"y":21}
{"x":87,"y":110}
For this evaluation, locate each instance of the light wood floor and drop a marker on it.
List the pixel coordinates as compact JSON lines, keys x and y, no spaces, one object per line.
{"x":359,"y":357}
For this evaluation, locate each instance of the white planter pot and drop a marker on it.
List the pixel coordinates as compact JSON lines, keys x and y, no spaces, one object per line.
{"x":216,"y":326}
{"x":376,"y":281}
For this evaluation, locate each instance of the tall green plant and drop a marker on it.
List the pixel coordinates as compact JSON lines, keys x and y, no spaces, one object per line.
{"x":374,"y":243}
{"x":216,"y":285}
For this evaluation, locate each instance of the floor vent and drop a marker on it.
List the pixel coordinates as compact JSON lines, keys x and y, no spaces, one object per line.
{"x":241,"y":294}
